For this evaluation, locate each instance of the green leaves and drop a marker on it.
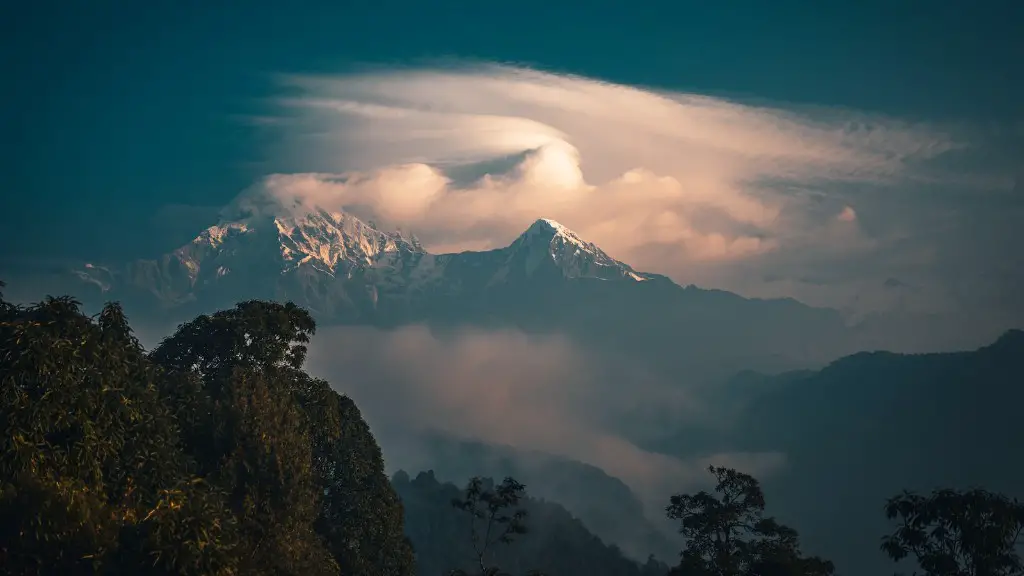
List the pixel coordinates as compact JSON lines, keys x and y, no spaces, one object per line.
{"x":215,"y":454}
{"x":88,"y":449}
{"x":255,"y":334}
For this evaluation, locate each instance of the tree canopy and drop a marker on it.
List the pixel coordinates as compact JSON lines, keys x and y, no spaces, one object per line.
{"x":94,"y":479}
{"x":214,"y":454}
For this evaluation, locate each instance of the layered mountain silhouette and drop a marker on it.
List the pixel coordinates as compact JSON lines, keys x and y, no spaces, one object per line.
{"x":870,"y":425}
{"x":603,"y":503}
{"x":556,"y":542}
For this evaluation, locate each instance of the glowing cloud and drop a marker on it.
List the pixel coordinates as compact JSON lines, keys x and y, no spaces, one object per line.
{"x":468,"y":157}
{"x":702,"y":189}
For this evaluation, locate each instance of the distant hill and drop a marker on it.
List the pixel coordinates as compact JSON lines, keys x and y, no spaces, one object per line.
{"x":872,"y":424}
{"x":607,"y":506}
{"x":556,"y":542}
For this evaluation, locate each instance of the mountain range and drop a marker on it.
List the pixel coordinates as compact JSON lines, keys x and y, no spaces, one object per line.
{"x":347,"y":271}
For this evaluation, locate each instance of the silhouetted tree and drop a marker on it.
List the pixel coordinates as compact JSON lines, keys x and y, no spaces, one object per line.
{"x":727,"y":534}
{"x":557,"y":542}
{"x":495,"y":518}
{"x":952,"y":533}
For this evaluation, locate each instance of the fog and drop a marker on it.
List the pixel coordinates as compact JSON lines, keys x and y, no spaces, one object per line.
{"x":531,"y":392}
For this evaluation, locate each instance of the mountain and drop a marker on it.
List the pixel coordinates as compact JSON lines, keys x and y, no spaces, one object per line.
{"x":555,"y":542}
{"x":347,"y":271}
{"x":605,"y":504}
{"x":870,"y":425}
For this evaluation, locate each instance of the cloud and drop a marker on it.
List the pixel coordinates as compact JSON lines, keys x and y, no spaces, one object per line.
{"x":817,"y":203}
{"x":467,"y":157}
{"x":507,"y":388}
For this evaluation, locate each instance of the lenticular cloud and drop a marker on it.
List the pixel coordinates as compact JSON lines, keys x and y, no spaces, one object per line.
{"x":467,"y":157}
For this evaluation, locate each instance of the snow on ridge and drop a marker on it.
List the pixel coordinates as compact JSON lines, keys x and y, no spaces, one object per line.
{"x":571,"y":253}
{"x":329,"y":238}
{"x":338,"y":244}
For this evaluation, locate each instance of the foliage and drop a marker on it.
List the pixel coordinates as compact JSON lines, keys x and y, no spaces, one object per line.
{"x":233,"y":381}
{"x":727,"y":534}
{"x":323,"y":477}
{"x":214,"y":454}
{"x":361,"y":516}
{"x":93,"y":479}
{"x":954,"y":533}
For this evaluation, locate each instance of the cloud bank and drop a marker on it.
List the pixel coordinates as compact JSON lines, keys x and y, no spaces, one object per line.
{"x":507,"y":388}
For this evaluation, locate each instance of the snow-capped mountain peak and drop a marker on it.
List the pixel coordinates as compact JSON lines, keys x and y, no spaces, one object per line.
{"x":330,"y":238}
{"x":344,"y":263}
{"x":256,"y":235}
{"x":548,"y":240}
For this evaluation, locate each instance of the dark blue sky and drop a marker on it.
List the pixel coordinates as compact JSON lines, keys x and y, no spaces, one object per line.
{"x":114,"y":109}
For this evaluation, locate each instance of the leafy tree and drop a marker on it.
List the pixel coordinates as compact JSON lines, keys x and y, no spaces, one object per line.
{"x":239,"y":373}
{"x":248,"y":435}
{"x":953,"y":533}
{"x":214,"y":454}
{"x":92,"y":478}
{"x":495,"y":518}
{"x":361,"y":516}
{"x":727,"y":534}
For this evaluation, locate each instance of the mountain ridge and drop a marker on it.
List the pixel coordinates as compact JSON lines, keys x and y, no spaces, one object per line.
{"x":348,"y":271}
{"x":338,"y":244}
{"x":333,"y":242}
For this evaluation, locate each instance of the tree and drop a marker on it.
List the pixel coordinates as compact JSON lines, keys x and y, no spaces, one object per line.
{"x":214,"y":454}
{"x":953,"y":533}
{"x":92,"y":477}
{"x":233,"y":382}
{"x":557,"y":542}
{"x":727,"y":534}
{"x":497,"y":510}
{"x":361,"y":516}
{"x":322,"y":479}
